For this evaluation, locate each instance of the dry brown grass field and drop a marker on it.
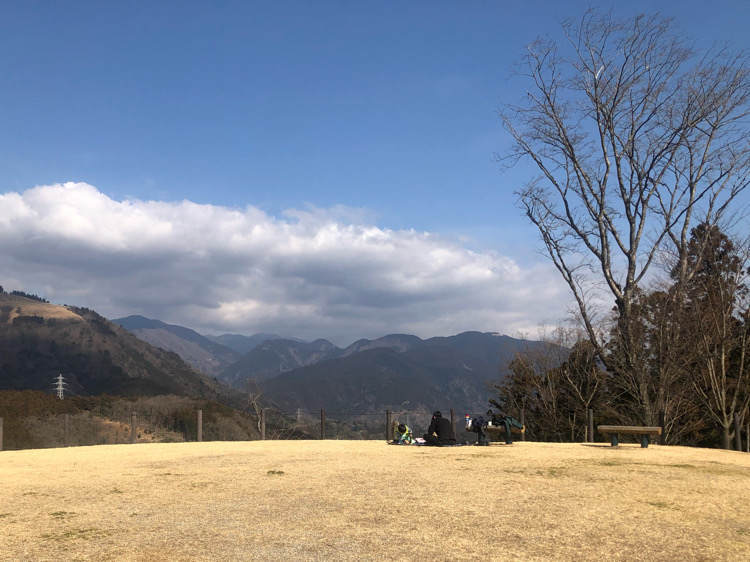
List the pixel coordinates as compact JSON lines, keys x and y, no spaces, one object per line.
{"x":20,"y":306}
{"x":365,"y":500}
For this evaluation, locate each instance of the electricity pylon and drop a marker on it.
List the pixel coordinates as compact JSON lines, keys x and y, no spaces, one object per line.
{"x":60,"y":386}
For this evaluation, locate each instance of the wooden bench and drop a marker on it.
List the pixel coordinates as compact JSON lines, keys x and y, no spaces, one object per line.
{"x":614,"y":431}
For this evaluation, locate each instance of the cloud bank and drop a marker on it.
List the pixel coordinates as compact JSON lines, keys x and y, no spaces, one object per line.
{"x":314,"y":273}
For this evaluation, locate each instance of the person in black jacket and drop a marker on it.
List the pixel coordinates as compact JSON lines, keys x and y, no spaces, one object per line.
{"x":440,"y":431}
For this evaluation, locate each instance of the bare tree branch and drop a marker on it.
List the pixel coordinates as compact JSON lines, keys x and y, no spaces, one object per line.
{"x":636,"y":140}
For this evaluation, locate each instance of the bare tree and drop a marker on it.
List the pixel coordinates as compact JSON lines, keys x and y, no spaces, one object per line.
{"x":635,"y":138}
{"x":667,"y":348}
{"x":254,"y":401}
{"x":535,"y":386}
{"x":582,"y":376}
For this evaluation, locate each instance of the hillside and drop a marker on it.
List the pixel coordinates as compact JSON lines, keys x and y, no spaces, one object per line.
{"x":397,"y":342}
{"x":336,"y":500}
{"x":280,"y":355}
{"x":40,"y":340}
{"x":276,"y":356}
{"x":200,"y":352}
{"x":401,"y":372}
{"x":34,"y":420}
{"x":243,"y":344}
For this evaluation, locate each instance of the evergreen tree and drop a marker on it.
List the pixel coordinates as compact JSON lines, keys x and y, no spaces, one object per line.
{"x":715,"y":316}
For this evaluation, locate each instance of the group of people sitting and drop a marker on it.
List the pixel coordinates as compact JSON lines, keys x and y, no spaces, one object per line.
{"x":439,"y":433}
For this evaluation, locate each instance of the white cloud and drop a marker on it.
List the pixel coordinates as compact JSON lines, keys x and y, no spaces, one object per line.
{"x":311,"y":273}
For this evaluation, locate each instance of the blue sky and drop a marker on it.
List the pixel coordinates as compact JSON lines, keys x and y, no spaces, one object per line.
{"x":387,"y":107}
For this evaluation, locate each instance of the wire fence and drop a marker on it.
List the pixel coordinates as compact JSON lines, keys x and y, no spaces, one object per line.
{"x":349,"y":424}
{"x":119,"y":425}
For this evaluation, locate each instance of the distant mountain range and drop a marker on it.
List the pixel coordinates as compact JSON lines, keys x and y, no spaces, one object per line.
{"x":39,"y":340}
{"x":394,"y":371}
{"x":400,"y":372}
{"x":140,"y":356}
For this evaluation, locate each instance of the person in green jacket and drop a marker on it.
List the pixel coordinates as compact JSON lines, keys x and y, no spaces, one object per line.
{"x":403,"y":435}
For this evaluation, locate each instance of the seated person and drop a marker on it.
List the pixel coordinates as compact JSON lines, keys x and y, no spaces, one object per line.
{"x":402,"y":435}
{"x":478,"y":425}
{"x":440,"y":431}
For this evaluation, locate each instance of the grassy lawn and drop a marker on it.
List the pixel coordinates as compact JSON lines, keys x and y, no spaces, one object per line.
{"x":329,"y":500}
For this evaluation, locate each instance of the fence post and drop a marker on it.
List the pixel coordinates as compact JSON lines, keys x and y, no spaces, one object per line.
{"x":200,"y":425}
{"x":1,"y":434}
{"x":132,"y":427}
{"x":322,"y":423}
{"x":388,"y":426}
{"x":453,"y":423}
{"x":663,"y":424}
{"x":263,"y":424}
{"x":591,"y":425}
{"x":747,"y":436}
{"x":737,"y":432}
{"x":523,"y":423}
{"x":66,"y":430}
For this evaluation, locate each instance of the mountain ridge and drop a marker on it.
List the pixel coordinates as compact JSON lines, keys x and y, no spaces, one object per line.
{"x":40,"y":340}
{"x":292,"y":374}
{"x":242,"y":344}
{"x":203,"y":354}
{"x":456,"y":369}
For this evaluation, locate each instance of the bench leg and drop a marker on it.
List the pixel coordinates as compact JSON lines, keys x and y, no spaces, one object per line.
{"x":613,"y":439}
{"x":644,"y":441}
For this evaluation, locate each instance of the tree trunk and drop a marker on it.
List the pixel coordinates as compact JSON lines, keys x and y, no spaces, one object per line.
{"x":726,"y":438}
